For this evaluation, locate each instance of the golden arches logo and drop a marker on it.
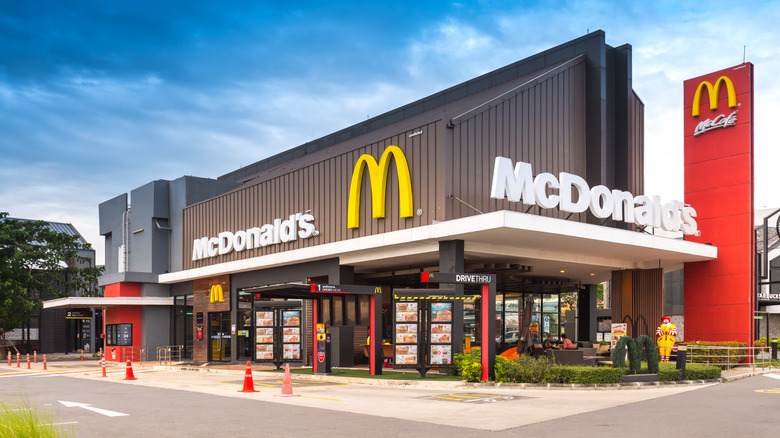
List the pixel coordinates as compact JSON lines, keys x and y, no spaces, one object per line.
{"x":216,"y":295}
{"x":714,"y":91}
{"x":377,"y":176}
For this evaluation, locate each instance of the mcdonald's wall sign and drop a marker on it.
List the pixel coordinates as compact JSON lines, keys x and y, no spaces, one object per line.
{"x":718,"y":125}
{"x":216,"y":295}
{"x":377,"y":176}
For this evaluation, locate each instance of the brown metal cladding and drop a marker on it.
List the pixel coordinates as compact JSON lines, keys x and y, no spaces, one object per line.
{"x":641,"y":291}
{"x":322,"y":189}
{"x":542,"y":124}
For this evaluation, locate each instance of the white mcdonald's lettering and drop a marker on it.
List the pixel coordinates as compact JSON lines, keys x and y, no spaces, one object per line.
{"x":518,"y":184}
{"x":298,"y":225}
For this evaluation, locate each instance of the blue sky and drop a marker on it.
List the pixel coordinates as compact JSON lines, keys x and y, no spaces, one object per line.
{"x":100,"y":97}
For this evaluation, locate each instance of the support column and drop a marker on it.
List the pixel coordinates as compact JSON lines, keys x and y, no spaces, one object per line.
{"x":451,"y":260}
{"x":587,"y":324}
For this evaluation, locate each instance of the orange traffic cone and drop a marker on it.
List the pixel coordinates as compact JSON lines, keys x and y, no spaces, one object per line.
{"x":9,"y":359}
{"x":249,"y":384}
{"x":103,"y":364}
{"x":286,"y":383}
{"x":44,"y":363}
{"x":129,"y":372}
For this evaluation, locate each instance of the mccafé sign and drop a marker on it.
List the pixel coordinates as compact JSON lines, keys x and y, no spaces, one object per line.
{"x":516,"y":183}
{"x":298,"y":225}
{"x":713,"y":90}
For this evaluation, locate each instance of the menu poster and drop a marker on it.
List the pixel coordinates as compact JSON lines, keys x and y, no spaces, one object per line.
{"x":405,"y":338}
{"x":441,"y":312}
{"x":264,"y":351}
{"x":291,"y":318}
{"x":440,"y":338}
{"x":441,"y":354}
{"x":406,"y":328}
{"x":405,"y":354}
{"x":441,"y":328}
{"x":292,"y":351}
{"x":265,"y":335}
{"x":406,"y":307}
{"x":264,"y":319}
{"x":291,"y":338}
{"x":406,"y":316}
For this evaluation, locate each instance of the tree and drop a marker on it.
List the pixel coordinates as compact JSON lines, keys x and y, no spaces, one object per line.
{"x":38,"y":263}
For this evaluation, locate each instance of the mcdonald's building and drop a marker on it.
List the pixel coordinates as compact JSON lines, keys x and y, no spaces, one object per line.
{"x":532,"y":173}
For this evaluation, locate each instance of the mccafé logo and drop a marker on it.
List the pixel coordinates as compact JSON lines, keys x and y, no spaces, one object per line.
{"x":216,"y":295}
{"x":298,"y":225}
{"x":722,"y":120}
{"x":377,"y":175}
{"x":518,"y":184}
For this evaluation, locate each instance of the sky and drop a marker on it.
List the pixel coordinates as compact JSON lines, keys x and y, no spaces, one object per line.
{"x":98,"y":98}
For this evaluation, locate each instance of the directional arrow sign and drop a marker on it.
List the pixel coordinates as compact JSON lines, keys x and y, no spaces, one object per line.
{"x":105,"y":412}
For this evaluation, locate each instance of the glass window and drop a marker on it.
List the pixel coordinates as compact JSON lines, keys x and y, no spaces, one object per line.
{"x":351,"y":309}
{"x":338,"y":310}
{"x":326,"y":311}
{"x":364,"y":305}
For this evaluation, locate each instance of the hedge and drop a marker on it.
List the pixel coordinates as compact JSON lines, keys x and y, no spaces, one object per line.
{"x":526,"y":369}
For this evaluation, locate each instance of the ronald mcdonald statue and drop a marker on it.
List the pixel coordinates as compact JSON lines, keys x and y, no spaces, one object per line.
{"x":665,"y":334}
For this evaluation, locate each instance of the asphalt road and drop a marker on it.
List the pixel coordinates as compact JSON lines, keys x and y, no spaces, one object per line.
{"x":172,"y":404}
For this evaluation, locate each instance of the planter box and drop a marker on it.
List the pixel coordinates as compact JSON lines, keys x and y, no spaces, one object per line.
{"x":631,"y":378}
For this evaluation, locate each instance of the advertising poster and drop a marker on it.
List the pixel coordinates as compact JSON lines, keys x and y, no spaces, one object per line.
{"x":441,"y":312}
{"x":618,"y":331}
{"x":440,"y":338}
{"x":291,"y":318}
{"x":405,"y":338}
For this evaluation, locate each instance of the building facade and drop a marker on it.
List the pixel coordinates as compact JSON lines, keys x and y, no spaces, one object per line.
{"x":532,"y":173}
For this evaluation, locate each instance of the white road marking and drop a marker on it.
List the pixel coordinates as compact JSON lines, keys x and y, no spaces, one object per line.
{"x":774,"y":376}
{"x":105,"y":412}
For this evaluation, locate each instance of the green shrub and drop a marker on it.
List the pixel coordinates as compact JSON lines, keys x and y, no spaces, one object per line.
{"x":527,"y":369}
{"x":468,"y":365}
{"x":595,"y":375}
{"x":669,"y":372}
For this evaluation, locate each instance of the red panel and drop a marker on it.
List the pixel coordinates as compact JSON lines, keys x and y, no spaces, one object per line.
{"x":124,"y":315}
{"x":123,"y":290}
{"x":719,"y":172}
{"x":719,"y":185}
{"x":718,"y":229}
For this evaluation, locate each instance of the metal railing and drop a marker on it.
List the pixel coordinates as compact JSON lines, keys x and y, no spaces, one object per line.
{"x":163,"y":355}
{"x":170,"y":354}
{"x":729,"y":357}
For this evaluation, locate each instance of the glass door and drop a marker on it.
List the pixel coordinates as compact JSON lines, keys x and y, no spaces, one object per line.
{"x":219,"y":335}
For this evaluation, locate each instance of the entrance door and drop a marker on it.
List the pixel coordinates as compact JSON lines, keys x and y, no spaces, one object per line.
{"x":219,"y":334}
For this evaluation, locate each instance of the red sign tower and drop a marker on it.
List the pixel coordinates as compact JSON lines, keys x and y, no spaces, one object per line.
{"x":720,"y":294}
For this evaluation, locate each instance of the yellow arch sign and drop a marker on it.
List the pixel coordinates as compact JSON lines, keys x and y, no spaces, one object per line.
{"x":377,"y":175}
{"x":714,"y":91}
{"x":216,"y":296}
